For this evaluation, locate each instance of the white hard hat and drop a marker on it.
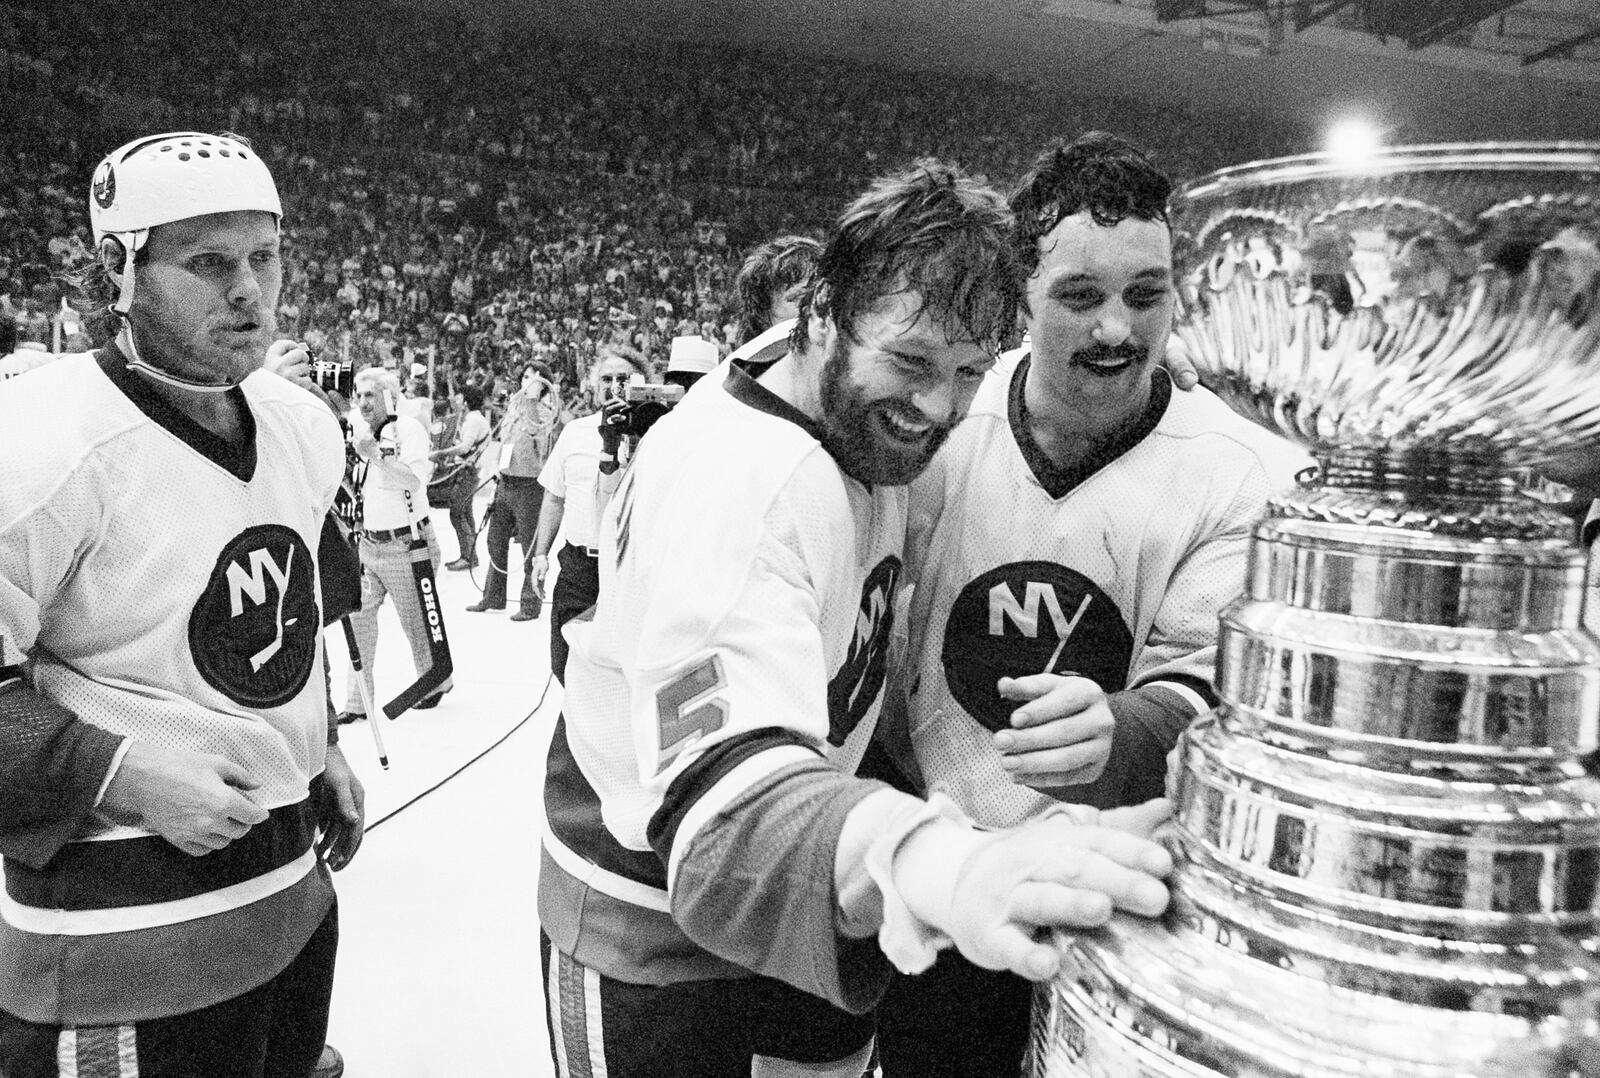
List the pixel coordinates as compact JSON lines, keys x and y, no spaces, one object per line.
{"x":164,"y":178}
{"x":693,"y":355}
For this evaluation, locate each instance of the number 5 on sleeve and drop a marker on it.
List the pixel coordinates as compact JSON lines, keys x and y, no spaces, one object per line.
{"x":681,"y":720}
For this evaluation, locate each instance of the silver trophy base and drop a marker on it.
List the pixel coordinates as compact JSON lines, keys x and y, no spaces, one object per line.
{"x":1388,"y":847}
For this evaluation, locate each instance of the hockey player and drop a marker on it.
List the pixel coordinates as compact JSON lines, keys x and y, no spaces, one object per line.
{"x":1086,"y":520}
{"x":167,"y":759}
{"x":704,"y":820}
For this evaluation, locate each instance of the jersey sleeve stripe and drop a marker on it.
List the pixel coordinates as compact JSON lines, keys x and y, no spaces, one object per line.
{"x":725,"y":770}
{"x":1196,"y":692}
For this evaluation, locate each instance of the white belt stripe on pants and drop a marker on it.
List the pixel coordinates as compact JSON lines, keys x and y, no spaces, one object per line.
{"x":575,"y":1013}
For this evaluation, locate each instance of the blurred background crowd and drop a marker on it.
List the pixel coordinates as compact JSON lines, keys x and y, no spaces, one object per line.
{"x":470,"y":200}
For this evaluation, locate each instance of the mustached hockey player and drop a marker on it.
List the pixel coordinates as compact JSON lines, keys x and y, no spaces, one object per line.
{"x":1086,"y":520}
{"x":166,"y":753}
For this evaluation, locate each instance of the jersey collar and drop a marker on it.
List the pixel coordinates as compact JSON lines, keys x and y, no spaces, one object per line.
{"x":1057,"y":481}
{"x":237,"y":459}
{"x":742,"y":385}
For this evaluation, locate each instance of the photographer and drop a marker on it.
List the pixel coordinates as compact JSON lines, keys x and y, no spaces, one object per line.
{"x":527,"y":432}
{"x":390,"y":478}
{"x":569,"y":478}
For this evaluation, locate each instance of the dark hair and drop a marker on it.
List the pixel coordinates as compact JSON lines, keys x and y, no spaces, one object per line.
{"x":472,"y":397}
{"x":931,"y":229}
{"x":1108,"y":176}
{"x":771,"y":271}
{"x":8,"y":333}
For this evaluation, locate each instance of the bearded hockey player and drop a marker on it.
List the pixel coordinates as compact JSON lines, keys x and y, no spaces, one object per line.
{"x":166,"y":763}
{"x":704,"y":819}
{"x":1086,"y":520}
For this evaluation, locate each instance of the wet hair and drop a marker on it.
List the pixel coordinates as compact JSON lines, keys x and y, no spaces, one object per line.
{"x":472,"y":397}
{"x":931,"y":229}
{"x":1099,"y":172}
{"x":770,"y":272}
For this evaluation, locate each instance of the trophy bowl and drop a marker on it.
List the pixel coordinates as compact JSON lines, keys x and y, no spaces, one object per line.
{"x":1421,"y":319}
{"x":1387,"y":835}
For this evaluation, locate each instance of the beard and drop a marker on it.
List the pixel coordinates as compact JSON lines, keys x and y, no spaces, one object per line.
{"x":857,"y":434}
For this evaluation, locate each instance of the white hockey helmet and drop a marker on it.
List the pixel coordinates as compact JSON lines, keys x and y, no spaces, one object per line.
{"x":164,"y":178}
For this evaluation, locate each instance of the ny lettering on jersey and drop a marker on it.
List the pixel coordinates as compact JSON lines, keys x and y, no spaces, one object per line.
{"x":1031,"y":617}
{"x":856,"y":686}
{"x":253,"y":631}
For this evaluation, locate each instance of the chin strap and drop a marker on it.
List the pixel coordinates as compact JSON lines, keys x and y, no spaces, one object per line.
{"x":136,"y":362}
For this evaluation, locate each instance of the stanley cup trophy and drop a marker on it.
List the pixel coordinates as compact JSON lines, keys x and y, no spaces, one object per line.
{"x":1388,"y":846}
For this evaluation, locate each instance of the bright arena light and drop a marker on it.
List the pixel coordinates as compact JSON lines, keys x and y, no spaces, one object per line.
{"x":1353,"y":140}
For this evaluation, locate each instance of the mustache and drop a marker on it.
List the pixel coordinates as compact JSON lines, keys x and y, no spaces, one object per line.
{"x":1125,"y":352}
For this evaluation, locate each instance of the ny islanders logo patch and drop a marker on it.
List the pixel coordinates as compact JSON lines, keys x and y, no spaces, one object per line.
{"x":254,"y":631}
{"x":1031,"y":617}
{"x":856,"y":686}
{"x":104,"y":185}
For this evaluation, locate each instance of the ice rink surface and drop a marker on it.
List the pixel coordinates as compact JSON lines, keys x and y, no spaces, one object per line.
{"x":438,"y":972}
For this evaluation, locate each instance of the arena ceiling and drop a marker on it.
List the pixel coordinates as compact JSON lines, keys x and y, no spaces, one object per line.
{"x":1528,"y":69}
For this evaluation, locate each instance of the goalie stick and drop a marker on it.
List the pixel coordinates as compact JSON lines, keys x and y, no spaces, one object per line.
{"x":438,"y":643}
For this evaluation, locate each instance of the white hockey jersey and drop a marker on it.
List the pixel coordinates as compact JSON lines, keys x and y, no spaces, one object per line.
{"x":162,"y":584}
{"x":746,"y":598}
{"x":1116,"y":573}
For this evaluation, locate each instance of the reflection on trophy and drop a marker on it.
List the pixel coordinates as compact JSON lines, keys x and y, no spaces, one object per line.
{"x":1388,"y":845}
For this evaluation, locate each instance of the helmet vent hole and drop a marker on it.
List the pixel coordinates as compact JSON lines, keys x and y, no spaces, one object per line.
{"x":166,"y":149}
{"x":224,"y":153}
{"x":183,"y":157}
{"x":204,"y":153}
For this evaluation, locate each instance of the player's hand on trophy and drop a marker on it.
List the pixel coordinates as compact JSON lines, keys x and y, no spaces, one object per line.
{"x":195,"y":800}
{"x":1060,"y":736}
{"x":1180,"y":364}
{"x":341,"y":810}
{"x":291,"y":360}
{"x":992,"y":892}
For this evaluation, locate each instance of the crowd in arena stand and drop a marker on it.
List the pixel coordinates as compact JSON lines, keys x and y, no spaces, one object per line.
{"x":486,"y":197}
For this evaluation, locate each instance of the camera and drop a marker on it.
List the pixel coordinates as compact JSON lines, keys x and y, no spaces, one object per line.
{"x":332,"y":376}
{"x":648,"y":403}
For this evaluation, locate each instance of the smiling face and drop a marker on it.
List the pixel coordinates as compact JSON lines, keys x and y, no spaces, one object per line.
{"x":892,"y":396}
{"x":206,"y":295}
{"x":1101,"y":305}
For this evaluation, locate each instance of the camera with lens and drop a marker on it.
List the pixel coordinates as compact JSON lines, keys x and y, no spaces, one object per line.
{"x":332,"y":376}
{"x":648,"y":403}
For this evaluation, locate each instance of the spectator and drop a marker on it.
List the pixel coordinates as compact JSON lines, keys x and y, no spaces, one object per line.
{"x":471,"y":435}
{"x":526,"y":435}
